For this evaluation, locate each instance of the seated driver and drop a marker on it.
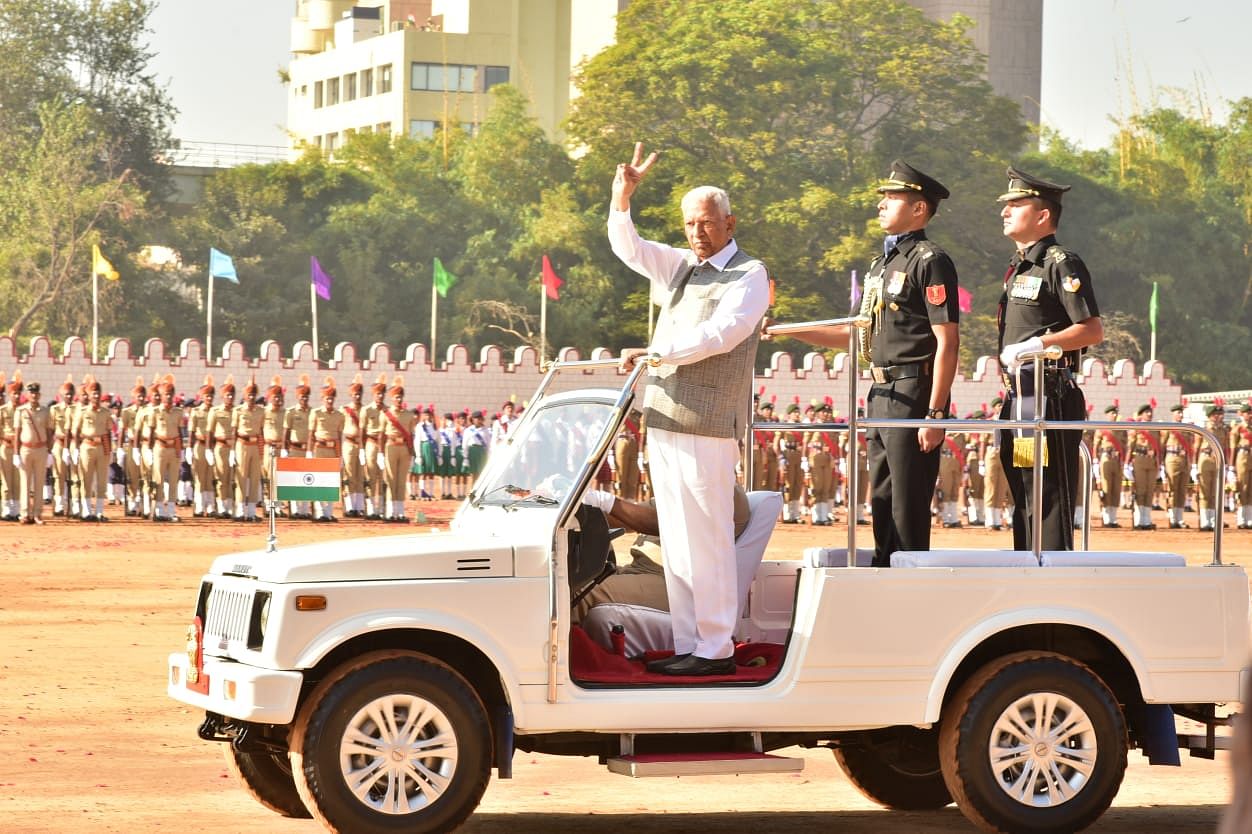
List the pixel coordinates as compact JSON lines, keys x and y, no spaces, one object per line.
{"x":642,"y":581}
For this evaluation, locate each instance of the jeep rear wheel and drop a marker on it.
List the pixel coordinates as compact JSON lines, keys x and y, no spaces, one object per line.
{"x":392,"y":742}
{"x":267,"y":776}
{"x":897,"y":768}
{"x":1033,"y":742}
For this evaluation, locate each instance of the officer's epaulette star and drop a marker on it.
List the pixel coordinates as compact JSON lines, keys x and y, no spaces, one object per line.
{"x":1056,"y":253}
{"x":925,"y":249}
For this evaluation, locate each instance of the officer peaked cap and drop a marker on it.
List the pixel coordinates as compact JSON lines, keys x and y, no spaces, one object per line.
{"x":905,"y":177}
{"x":1023,"y":185}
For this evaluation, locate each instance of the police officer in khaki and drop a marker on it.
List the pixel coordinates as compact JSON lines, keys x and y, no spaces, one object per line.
{"x":273,"y":433}
{"x":296,"y":437}
{"x":1144,"y":466}
{"x":951,"y":476}
{"x":62,"y":414}
{"x":974,"y":482}
{"x":200,"y":454}
{"x":1111,"y":449}
{"x":821,"y":469}
{"x":397,"y":424}
{"x":220,"y":430}
{"x":247,"y":424}
{"x":1241,"y":458}
{"x":1179,"y":456}
{"x":1209,"y":473}
{"x":33,"y":426}
{"x":626,"y":460}
{"x":142,"y":454}
{"x":326,"y":433}
{"x":129,"y":442}
{"x":8,"y":445}
{"x":371,"y":421}
{"x":167,"y":451}
{"x":92,"y":434}
{"x":354,"y":451}
{"x":790,"y":456}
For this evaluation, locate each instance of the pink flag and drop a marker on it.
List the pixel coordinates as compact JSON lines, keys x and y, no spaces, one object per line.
{"x":854,"y":292}
{"x":551,"y":283}
{"x":964,"y":300}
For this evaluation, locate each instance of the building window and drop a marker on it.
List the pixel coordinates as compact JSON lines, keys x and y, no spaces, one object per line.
{"x":384,"y":79}
{"x":367,"y":83}
{"x":317,"y":94}
{"x":332,"y":91}
{"x":349,"y":87}
{"x":304,"y":90}
{"x":421,"y":128}
{"x":332,"y":139}
{"x":493,"y":76}
{"x":457,"y":78}
{"x":384,"y":127}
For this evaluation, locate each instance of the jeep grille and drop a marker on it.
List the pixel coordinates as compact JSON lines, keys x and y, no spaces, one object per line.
{"x":227,"y":616}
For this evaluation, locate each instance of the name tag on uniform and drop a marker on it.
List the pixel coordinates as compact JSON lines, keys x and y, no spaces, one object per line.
{"x":1026,"y":286}
{"x":896,"y":285}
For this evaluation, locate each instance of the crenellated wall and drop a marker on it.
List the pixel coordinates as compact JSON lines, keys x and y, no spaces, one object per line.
{"x":494,"y":376}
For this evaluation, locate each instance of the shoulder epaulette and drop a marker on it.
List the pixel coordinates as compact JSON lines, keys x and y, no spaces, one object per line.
{"x":925,"y":249}
{"x":1057,"y":253}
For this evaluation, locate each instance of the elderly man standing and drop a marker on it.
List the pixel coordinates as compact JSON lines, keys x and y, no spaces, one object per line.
{"x":697,"y":406}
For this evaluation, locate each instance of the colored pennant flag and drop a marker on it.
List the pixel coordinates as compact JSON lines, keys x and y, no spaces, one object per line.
{"x":321,"y":281}
{"x":443,"y":279}
{"x":221,"y":266}
{"x":551,"y":283}
{"x":1152,"y":307}
{"x":306,"y":479}
{"x":964,"y":301}
{"x":100,"y":264}
{"x":854,"y":292}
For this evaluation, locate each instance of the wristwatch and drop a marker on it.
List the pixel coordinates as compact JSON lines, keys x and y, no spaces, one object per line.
{"x":936,"y":414}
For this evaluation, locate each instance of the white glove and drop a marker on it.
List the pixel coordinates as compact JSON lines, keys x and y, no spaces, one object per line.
{"x":17,"y":460}
{"x":309,"y":454}
{"x":230,"y":457}
{"x":187,"y":456}
{"x":135,"y":456}
{"x":1160,"y":473}
{"x":147,"y":456}
{"x":804,"y":464}
{"x":382,"y":461}
{"x":65,"y":454}
{"x":1009,"y":356}
{"x":74,"y":456}
{"x":842,"y":467}
{"x":599,"y":499}
{"x":360,"y":456}
{"x":982,"y":469}
{"x":120,"y":456}
{"x":208,"y":456}
{"x":283,"y":453}
{"x":1195,"y":472}
{"x":47,"y":462}
{"x":1230,"y":474}
{"x":1128,"y":472}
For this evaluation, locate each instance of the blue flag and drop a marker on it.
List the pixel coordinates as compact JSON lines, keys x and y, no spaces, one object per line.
{"x":221,"y":266}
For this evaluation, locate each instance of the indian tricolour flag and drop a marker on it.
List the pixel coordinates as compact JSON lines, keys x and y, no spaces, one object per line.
{"x":307,"y":479}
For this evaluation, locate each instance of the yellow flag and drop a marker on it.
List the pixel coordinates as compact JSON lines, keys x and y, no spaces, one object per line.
{"x":100,"y":264}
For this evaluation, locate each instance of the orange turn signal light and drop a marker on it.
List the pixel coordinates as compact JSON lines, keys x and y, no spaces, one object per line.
{"x":311,"y":603}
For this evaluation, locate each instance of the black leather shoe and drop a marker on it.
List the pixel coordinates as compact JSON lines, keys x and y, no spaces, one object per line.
{"x":660,"y":664}
{"x":1113,"y":524}
{"x":700,"y":667}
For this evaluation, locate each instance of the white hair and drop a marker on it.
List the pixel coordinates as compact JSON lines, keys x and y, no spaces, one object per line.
{"x":706,"y":194}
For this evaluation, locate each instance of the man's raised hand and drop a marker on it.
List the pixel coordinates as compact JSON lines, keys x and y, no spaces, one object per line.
{"x":628,"y":177}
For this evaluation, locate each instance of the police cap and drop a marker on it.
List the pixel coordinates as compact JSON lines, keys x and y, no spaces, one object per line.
{"x":905,"y":177}
{"x":1023,"y":185}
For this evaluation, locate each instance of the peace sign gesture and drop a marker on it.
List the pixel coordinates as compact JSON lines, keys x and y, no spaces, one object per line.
{"x":628,"y":177}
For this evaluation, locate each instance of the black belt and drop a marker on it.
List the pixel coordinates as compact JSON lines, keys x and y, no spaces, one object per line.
{"x":890,"y":373}
{"x":1050,"y":374}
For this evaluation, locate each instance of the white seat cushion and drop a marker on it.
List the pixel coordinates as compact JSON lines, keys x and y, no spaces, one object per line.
{"x":1110,"y":559}
{"x":963,"y":559}
{"x":763,"y":508}
{"x":836,"y":557}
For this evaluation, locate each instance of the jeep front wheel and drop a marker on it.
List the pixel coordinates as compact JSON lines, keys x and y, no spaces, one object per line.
{"x":1033,"y":742}
{"x":394,"y":741}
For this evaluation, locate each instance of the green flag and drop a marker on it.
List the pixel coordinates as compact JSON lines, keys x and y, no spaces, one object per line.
{"x":1152,"y":307}
{"x":443,"y":279}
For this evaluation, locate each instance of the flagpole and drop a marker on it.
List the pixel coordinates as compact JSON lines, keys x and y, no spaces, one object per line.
{"x":434,"y":307}
{"x":95,"y":313}
{"x":543,"y":322}
{"x":208,"y":342}
{"x":313,"y":303}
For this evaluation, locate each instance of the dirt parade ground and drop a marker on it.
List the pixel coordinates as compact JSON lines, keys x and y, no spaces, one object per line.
{"x":89,"y":741}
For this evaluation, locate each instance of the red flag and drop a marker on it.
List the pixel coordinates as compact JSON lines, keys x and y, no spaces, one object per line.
{"x":964,"y":301}
{"x":551,"y":283}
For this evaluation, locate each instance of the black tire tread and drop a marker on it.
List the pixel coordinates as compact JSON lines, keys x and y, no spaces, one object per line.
{"x":879,"y":783}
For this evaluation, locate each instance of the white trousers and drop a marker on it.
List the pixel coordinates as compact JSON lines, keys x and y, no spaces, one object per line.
{"x":693,"y":479}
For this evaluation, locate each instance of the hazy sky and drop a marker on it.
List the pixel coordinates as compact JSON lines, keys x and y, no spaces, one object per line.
{"x":1101,"y":59}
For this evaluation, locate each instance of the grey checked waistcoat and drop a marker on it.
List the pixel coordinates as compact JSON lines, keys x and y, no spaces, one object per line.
{"x":712,"y":397}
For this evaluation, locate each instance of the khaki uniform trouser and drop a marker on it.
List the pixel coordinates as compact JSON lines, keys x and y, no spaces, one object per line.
{"x":1176,"y":472}
{"x":821,"y":472}
{"x":399,"y":459}
{"x":642,"y":582}
{"x":134,"y":479}
{"x":373,"y":472}
{"x":8,"y":474}
{"x":765,"y":469}
{"x":1111,"y":482}
{"x":223,"y":472}
{"x":248,"y":473}
{"x":949,"y":478}
{"x":31,"y":480}
{"x":353,"y":471}
{"x":793,"y":475}
{"x":1243,"y":477}
{"x":201,"y":469}
{"x":995,"y":491}
{"x":975,"y":479}
{"x":63,"y":474}
{"x":94,"y":464}
{"x":1208,"y":484}
{"x":862,"y":478}
{"x":626,"y":457}
{"x":1143,"y":471}
{"x":165,"y":460}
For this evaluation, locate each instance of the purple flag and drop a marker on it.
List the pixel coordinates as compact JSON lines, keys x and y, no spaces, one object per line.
{"x":854,"y":293}
{"x":321,"y":281}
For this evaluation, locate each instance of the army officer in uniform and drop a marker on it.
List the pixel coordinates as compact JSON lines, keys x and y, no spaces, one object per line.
{"x":1048,"y":300}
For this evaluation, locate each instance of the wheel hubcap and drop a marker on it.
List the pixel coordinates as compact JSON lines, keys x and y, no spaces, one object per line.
{"x":398,"y":754}
{"x":1043,"y":749}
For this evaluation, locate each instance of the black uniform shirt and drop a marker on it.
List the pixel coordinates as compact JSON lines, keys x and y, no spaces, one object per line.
{"x":918,"y":290}
{"x":1046,"y":291}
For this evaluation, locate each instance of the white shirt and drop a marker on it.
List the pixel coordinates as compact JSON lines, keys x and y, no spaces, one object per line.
{"x":737,"y":314}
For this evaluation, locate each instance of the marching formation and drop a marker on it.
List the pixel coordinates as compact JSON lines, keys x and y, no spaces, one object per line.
{"x":214,"y":451}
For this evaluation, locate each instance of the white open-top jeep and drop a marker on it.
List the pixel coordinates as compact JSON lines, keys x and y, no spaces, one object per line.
{"x":375,"y":683}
